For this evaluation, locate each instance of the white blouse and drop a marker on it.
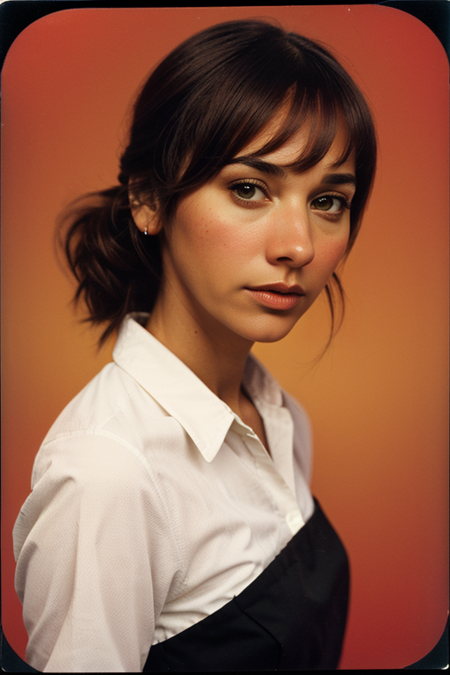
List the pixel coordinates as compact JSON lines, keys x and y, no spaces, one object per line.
{"x":152,"y":505}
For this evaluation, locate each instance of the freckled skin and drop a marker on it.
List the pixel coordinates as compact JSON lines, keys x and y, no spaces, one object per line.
{"x":209,"y":262}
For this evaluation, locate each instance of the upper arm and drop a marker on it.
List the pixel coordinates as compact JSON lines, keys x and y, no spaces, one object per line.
{"x":96,"y":558}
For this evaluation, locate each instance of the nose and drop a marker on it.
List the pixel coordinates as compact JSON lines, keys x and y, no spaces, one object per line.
{"x":290,"y":239}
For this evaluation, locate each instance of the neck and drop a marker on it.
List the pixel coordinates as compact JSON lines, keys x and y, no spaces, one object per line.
{"x":216,"y":355}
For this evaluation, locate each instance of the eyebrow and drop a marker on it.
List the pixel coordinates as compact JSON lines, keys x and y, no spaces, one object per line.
{"x":260,"y":165}
{"x":276,"y":170}
{"x":340,"y":179}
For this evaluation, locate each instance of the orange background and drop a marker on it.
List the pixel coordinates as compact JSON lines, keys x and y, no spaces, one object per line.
{"x":378,"y":398}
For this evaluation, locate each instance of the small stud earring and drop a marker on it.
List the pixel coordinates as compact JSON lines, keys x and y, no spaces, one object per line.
{"x":146,"y":231}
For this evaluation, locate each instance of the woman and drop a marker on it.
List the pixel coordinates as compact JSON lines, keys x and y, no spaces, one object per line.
{"x":171,"y":526}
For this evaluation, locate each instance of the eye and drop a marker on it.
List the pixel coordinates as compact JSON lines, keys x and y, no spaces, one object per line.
{"x":330,"y":204}
{"x":248,"y":191}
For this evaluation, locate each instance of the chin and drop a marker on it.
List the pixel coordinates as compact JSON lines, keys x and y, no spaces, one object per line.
{"x":272,"y":337}
{"x":271,"y":331}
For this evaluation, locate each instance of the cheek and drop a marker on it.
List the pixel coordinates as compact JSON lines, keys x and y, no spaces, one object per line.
{"x":217,"y":242}
{"x":330,"y":254}
{"x":211,"y":230}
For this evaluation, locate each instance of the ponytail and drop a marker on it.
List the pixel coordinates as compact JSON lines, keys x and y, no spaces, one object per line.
{"x":118,"y":270}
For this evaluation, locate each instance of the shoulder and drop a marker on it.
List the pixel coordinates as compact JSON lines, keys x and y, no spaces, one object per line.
{"x":112,"y":441}
{"x":300,"y":417}
{"x":114,"y":409}
{"x":101,"y":470}
{"x":302,"y":434}
{"x":109,"y":392}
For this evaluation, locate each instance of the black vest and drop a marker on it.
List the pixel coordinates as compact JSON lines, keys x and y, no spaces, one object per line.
{"x":291,"y":617}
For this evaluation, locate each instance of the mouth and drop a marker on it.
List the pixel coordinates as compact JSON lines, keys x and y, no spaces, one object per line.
{"x":279,"y":287}
{"x":277,"y":296}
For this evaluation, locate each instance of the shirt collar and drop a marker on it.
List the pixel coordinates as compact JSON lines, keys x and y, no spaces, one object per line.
{"x":202,"y":414}
{"x":260,"y":385}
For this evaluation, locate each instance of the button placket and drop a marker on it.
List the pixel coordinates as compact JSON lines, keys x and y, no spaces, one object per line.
{"x":274,"y":485}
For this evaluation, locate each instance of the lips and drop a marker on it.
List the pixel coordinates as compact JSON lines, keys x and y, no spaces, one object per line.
{"x":279,"y":296}
{"x":279,"y":287}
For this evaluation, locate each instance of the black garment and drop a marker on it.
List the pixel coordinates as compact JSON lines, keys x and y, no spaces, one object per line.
{"x":291,"y":617}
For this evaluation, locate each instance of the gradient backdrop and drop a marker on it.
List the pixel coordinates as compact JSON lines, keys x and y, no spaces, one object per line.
{"x":378,"y":398}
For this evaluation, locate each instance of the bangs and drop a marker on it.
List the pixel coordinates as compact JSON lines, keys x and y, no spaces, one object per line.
{"x":305,"y":88}
{"x":322,"y":118}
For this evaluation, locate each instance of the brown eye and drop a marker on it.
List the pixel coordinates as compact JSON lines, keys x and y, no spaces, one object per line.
{"x":248,"y":192}
{"x":324,"y":203}
{"x":328,"y":203}
{"x":245,"y":190}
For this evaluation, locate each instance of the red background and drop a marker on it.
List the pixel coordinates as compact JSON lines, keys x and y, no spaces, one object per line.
{"x":378,"y":398}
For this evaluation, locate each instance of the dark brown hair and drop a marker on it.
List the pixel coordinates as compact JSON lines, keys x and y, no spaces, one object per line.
{"x":201,"y":105}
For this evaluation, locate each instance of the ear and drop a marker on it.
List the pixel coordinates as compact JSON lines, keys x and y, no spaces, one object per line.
{"x":145,"y":216}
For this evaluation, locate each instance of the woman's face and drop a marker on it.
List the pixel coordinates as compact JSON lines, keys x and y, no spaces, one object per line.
{"x":248,"y":252}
